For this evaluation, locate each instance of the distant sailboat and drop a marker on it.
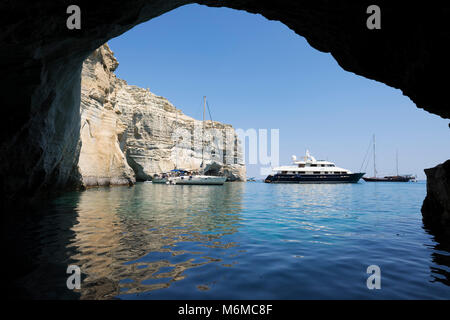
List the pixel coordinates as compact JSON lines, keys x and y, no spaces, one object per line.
{"x":396,"y":178}
{"x":199,"y":179}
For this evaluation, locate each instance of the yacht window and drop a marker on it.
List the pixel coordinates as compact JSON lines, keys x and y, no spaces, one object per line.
{"x":283,"y":172}
{"x":301,"y":165}
{"x":316,"y":172}
{"x":314,"y":165}
{"x":302,"y":172}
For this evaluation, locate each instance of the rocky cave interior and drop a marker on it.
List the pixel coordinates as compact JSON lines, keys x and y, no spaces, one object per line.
{"x":42,"y":61}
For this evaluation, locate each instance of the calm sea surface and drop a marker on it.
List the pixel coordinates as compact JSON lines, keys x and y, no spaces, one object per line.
{"x":239,"y":241}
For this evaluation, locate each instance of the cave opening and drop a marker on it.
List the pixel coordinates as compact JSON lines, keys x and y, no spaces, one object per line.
{"x":40,"y":153}
{"x":250,"y":66}
{"x":45,"y":113}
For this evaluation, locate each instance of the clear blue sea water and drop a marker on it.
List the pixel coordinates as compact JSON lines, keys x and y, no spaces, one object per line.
{"x":241,"y":241}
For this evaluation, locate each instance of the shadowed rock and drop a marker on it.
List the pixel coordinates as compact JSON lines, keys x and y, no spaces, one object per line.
{"x":436,"y":206}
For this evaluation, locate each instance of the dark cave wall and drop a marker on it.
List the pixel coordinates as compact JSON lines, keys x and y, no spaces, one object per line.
{"x":407,"y":53}
{"x":436,"y":206}
{"x":39,"y":146}
{"x":41,"y":60}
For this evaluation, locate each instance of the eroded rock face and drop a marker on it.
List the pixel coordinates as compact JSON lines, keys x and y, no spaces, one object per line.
{"x":126,"y":128}
{"x":436,"y":206}
{"x":160,"y":137}
{"x":102,"y":161}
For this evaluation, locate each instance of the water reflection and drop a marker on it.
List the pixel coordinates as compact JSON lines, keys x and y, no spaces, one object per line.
{"x":236,"y":241}
{"x":38,"y":248}
{"x":440,"y":256}
{"x":146,"y":238}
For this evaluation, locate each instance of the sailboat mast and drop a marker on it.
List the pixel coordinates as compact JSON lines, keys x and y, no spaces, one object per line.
{"x":203,"y":123}
{"x":396,"y":159}
{"x":176,"y":159}
{"x":374,"y":165}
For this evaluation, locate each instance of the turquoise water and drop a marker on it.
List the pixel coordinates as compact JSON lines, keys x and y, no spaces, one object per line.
{"x":240,"y":241}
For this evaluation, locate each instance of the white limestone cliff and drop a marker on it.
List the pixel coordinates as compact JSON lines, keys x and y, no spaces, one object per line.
{"x":129,"y":133}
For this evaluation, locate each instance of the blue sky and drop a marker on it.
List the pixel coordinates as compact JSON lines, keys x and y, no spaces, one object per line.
{"x":259,"y":74}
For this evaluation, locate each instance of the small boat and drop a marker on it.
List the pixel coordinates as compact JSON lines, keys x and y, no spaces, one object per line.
{"x":164,"y":177}
{"x":311,"y":170}
{"x":197,"y":180}
{"x":396,"y":178}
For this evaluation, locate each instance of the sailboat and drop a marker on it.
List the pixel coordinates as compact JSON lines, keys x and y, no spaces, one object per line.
{"x":198,"y":179}
{"x":396,"y":178}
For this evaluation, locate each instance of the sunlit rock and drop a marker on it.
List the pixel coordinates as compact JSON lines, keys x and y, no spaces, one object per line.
{"x":129,"y":133}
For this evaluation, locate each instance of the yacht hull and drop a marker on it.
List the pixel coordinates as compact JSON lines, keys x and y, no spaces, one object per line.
{"x":314,"y":178}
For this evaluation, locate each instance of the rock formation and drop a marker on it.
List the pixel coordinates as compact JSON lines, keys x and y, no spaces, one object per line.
{"x":101,"y":161}
{"x":436,"y":206}
{"x":126,"y":128}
